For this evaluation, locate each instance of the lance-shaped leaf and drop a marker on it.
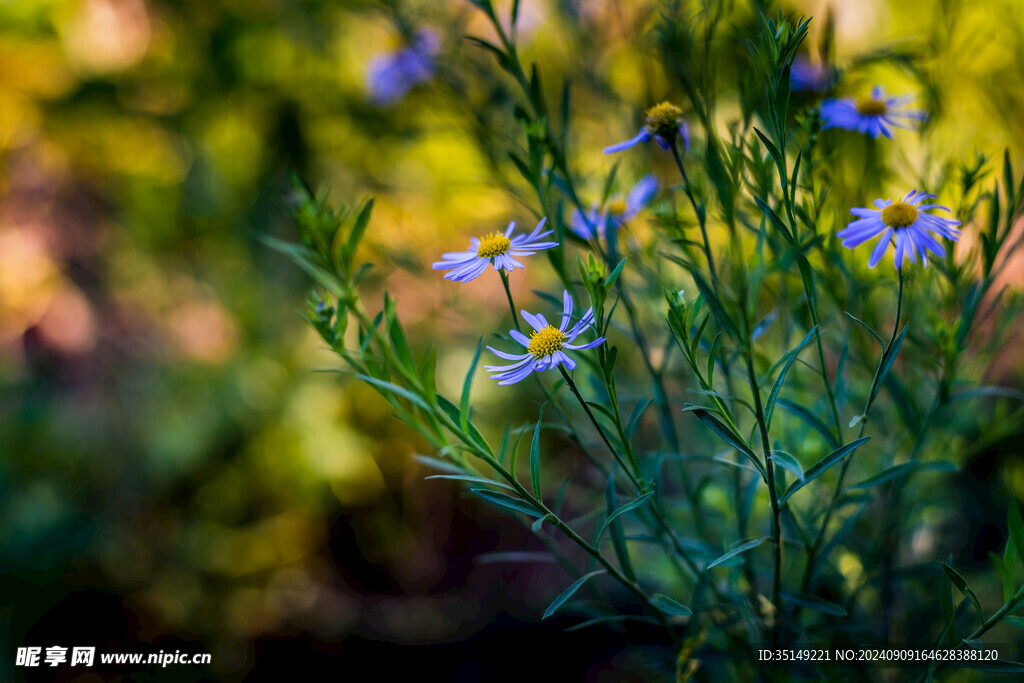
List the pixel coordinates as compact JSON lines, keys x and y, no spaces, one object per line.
{"x":749,"y":545}
{"x":961,"y":584}
{"x":472,"y":480}
{"x":900,"y":470}
{"x":815,"y":603}
{"x":769,"y":406}
{"x":467,"y":383}
{"x":867,"y":327}
{"x":822,"y":465}
{"x":667,"y":605}
{"x":618,"y":535}
{"x":535,"y":454}
{"x":810,"y":419}
{"x":568,"y":593}
{"x":787,"y":462}
{"x":726,"y":434}
{"x":507,"y":501}
{"x":631,"y":505}
{"x":888,"y":359}
{"x":1016,"y":525}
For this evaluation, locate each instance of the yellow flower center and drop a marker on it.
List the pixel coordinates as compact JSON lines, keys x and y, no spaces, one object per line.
{"x":868,"y":106}
{"x":663,"y":119}
{"x":899,"y":215}
{"x":617,"y":207}
{"x":545,"y":342}
{"x":494,"y":244}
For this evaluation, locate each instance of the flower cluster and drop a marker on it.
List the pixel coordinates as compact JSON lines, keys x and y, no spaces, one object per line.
{"x":544,"y":347}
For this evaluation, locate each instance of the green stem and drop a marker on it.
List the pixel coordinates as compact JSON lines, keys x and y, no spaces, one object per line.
{"x":701,"y":219}
{"x":631,"y":472}
{"x":819,"y":539}
{"x":508,"y":295}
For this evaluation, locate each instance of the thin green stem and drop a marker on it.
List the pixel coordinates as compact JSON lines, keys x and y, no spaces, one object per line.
{"x":701,"y":218}
{"x":631,"y":472}
{"x":511,"y":304}
{"x":872,"y":393}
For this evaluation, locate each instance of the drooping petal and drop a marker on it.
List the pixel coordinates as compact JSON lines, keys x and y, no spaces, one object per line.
{"x":879,"y":251}
{"x":642,"y":136}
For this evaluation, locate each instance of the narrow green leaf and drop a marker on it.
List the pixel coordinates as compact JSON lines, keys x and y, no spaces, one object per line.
{"x":867,"y":327}
{"x":667,"y":605}
{"x":614,"y":275}
{"x":453,"y":412}
{"x":1016,"y":525}
{"x":774,"y":218}
{"x":788,"y":463}
{"x":395,"y":389}
{"x":617,"y":534}
{"x":899,"y":470}
{"x":515,"y":556}
{"x":568,"y":593}
{"x":946,"y":603}
{"x":769,"y":407}
{"x":358,"y":228}
{"x":535,"y":454}
{"x":504,"y":500}
{"x":631,"y":505}
{"x":999,"y":666}
{"x":813,"y":602}
{"x":819,"y":468}
{"x":438,"y":464}
{"x":810,"y":419}
{"x":749,"y":545}
{"x":638,"y":412}
{"x":726,"y":434}
{"x":889,"y":359}
{"x":961,"y":583}
{"x":540,"y":522}
{"x":467,"y":383}
{"x":472,"y":480}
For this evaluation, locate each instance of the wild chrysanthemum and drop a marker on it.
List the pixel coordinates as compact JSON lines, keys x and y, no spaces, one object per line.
{"x":545,"y":347}
{"x":616,"y":212}
{"x":904,"y":223}
{"x":390,"y":76}
{"x":495,"y":248}
{"x":807,"y":75}
{"x":664,"y":122}
{"x":871,"y":115}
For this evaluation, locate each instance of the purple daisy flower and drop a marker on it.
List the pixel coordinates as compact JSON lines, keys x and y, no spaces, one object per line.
{"x":904,"y":223}
{"x":495,"y":248}
{"x":807,"y":75}
{"x":618,"y":211}
{"x":664,"y":122}
{"x":544,"y":346}
{"x":871,"y":115}
{"x":390,"y":76}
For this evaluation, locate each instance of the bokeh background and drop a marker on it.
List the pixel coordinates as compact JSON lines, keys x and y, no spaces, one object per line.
{"x":174,"y":472}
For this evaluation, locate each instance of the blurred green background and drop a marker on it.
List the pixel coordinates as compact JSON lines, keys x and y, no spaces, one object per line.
{"x":171,"y":464}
